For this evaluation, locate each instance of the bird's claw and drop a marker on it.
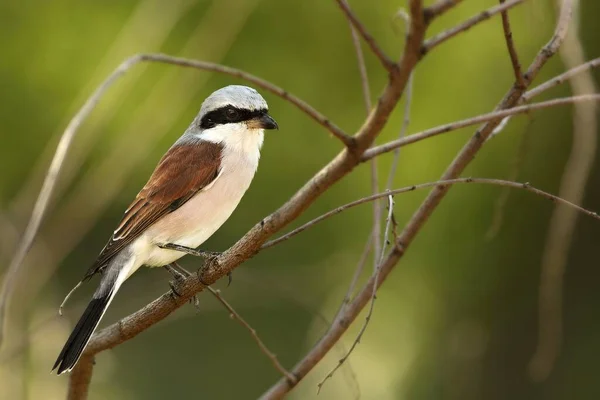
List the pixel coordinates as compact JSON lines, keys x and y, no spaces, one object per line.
{"x":174,"y":292}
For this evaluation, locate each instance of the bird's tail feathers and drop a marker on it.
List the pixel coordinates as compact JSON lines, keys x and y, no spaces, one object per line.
{"x":112,"y":279}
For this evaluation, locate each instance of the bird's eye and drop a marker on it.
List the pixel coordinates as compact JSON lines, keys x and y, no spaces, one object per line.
{"x":231,"y":114}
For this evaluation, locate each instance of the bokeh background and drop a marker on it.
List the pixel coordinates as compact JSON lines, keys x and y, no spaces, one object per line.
{"x":458,"y":317}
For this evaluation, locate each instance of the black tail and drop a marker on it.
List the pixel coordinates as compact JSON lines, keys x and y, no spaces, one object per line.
{"x":82,"y":333}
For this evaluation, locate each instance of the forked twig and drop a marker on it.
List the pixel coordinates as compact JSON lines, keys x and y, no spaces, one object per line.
{"x":440,"y":183}
{"x":468,"y":24}
{"x":368,"y":38}
{"x":453,"y":126}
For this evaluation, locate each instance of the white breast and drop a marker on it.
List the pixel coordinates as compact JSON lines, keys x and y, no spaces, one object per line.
{"x":194,"y":222}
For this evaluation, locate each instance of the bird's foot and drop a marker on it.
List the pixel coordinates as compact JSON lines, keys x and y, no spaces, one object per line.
{"x":180,"y":274}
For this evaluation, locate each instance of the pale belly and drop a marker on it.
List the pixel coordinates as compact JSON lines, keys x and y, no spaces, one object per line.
{"x":194,"y":222}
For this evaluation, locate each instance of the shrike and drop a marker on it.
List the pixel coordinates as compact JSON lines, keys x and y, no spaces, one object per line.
{"x":191,"y":193}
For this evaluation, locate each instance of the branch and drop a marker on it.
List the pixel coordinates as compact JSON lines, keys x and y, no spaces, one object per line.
{"x":421,"y":215}
{"x":440,"y":183}
{"x":261,"y":83}
{"x":417,"y":137}
{"x":514,"y":58}
{"x":450,"y":33}
{"x":562,"y":78}
{"x":261,"y":345}
{"x":67,"y":137}
{"x":439,"y":8}
{"x":387,"y":63}
{"x":80,"y":378}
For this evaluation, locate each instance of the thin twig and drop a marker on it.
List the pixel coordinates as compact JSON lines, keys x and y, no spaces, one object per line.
{"x":255,"y":336}
{"x":261,"y":83}
{"x":417,"y":137}
{"x":442,"y":183}
{"x":563,"y":221}
{"x":387,"y":63}
{"x":450,"y":33}
{"x":439,"y":8}
{"x":80,"y":378}
{"x":512,"y":51}
{"x":363,"y":329}
{"x":562,"y":78}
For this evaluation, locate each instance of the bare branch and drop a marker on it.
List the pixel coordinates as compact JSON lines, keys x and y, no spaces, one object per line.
{"x":417,"y":137}
{"x":387,"y":63}
{"x":512,"y":51}
{"x":80,"y":378}
{"x":439,"y":8}
{"x":564,"y":219}
{"x":255,"y":336}
{"x":562,"y":78}
{"x":261,"y":83}
{"x":443,"y":183}
{"x":471,"y":22}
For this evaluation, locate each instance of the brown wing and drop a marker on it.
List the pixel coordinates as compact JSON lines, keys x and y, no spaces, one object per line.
{"x":180,"y":174}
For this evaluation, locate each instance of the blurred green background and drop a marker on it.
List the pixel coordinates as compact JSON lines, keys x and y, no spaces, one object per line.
{"x":458,"y":317}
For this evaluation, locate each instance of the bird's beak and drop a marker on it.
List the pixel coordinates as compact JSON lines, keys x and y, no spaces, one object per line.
{"x":265,"y":121}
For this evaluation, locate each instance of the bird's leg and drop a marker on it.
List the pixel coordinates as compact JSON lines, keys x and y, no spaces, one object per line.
{"x":207,"y":255}
{"x":210,"y":257}
{"x":180,"y":273}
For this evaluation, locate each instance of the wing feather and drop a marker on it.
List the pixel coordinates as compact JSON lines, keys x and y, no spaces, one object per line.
{"x":182,"y":172}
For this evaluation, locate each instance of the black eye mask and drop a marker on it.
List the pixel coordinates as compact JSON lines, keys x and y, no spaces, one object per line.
{"x":229,"y":115}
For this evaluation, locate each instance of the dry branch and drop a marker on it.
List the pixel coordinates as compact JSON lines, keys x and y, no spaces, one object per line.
{"x":453,"y":126}
{"x":387,"y":63}
{"x":468,"y":24}
{"x":512,"y":51}
{"x":437,"y":9}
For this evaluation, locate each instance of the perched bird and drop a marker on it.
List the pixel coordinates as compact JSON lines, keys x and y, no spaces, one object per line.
{"x":191,"y":193}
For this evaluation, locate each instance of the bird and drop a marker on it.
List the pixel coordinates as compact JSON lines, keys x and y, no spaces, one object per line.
{"x":193,"y":190}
